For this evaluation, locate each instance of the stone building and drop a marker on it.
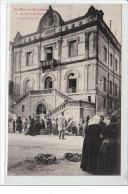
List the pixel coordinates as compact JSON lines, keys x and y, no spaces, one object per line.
{"x":72,"y":66}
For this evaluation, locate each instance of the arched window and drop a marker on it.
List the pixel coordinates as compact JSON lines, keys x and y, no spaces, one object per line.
{"x":28,"y":86}
{"x":72,"y":83}
{"x":48,"y":83}
{"x":41,"y":109}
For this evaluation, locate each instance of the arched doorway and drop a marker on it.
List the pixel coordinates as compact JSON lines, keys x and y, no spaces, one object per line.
{"x":71,"y":83}
{"x":28,"y":86}
{"x":48,"y":83}
{"x":41,"y":109}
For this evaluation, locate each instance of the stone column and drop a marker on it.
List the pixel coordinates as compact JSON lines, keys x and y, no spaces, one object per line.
{"x":86,"y":45}
{"x":59,"y":49}
{"x":95,"y":44}
{"x":85,"y":78}
{"x":39,"y":52}
{"x":38,"y":81}
{"x":89,"y":77}
{"x":93,"y":76}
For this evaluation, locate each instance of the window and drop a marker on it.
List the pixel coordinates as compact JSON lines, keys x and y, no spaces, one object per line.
{"x":73,"y":25}
{"x":29,"y":58}
{"x":111,"y":60}
{"x":104,"y":103}
{"x":29,"y":39}
{"x":105,"y":54}
{"x":28,"y":86}
{"x":89,"y":98}
{"x":110,"y":87}
{"x":72,"y":48}
{"x":72,"y":83}
{"x":80,"y":23}
{"x":115,"y":89}
{"x":24,"y":40}
{"x":48,"y":83}
{"x":110,"y":104}
{"x":115,"y":64}
{"x":49,"y":52}
{"x":66,"y":27}
{"x":104,"y":84}
{"x":23,"y":108}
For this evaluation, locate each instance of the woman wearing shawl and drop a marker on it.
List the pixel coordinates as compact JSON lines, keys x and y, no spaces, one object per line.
{"x":109,"y":159}
{"x":91,"y":145}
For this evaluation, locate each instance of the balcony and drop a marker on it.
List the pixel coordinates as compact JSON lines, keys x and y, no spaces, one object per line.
{"x":49,"y":63}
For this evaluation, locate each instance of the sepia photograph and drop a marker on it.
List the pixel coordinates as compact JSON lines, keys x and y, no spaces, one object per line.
{"x":64,"y":94}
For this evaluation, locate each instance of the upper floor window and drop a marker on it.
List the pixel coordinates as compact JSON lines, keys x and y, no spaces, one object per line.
{"x":72,"y":48}
{"x":104,"y":103}
{"x":104,"y":84}
{"x":111,"y":60}
{"x":110,"y":104}
{"x":29,"y":58}
{"x":115,"y":89}
{"x":66,"y":27}
{"x":80,"y":23}
{"x":48,"y":83}
{"x":89,"y":98}
{"x":73,"y":25}
{"x":49,"y":52}
{"x":110,"y":87}
{"x":72,"y":83}
{"x":105,"y":54}
{"x":115,"y":64}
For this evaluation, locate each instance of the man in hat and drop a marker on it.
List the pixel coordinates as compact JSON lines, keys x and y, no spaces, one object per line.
{"x":61,"y":125}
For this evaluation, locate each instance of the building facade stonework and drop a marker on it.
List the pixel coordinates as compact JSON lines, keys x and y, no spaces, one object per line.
{"x":72,"y":66}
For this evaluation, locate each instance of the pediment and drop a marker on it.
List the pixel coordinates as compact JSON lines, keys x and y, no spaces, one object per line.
{"x":50,"y":19}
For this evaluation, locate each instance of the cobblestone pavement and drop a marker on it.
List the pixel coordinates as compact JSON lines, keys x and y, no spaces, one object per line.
{"x":22,"y":150}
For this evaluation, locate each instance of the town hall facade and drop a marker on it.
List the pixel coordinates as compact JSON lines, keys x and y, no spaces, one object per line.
{"x":66,"y":66}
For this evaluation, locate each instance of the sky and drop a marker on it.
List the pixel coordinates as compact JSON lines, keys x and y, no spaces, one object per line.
{"x":67,"y":12}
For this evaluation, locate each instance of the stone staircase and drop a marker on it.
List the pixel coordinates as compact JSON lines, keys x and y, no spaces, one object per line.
{"x":12,"y":112}
{"x":71,"y":107}
{"x":64,"y":103}
{"x":42,"y":92}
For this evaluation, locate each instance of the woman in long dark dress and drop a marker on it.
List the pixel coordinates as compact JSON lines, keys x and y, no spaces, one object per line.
{"x":91,"y":147}
{"x":109,"y":159}
{"x":19,"y":124}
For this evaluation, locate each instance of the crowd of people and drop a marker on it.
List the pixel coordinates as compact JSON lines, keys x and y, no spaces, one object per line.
{"x":102,"y":139}
{"x":53,"y":126}
{"x":101,"y":151}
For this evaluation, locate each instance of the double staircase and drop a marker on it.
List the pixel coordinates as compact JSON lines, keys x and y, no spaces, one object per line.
{"x":65,"y":104}
{"x":42,"y":92}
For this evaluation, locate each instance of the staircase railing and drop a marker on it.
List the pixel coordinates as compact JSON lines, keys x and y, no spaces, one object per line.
{"x":44,"y":91}
{"x":22,"y":98}
{"x":62,"y":106}
{"x":73,"y":103}
{"x":11,"y":110}
{"x":62,"y":95}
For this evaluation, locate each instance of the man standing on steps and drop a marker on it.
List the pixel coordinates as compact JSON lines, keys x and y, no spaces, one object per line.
{"x":61,"y":125}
